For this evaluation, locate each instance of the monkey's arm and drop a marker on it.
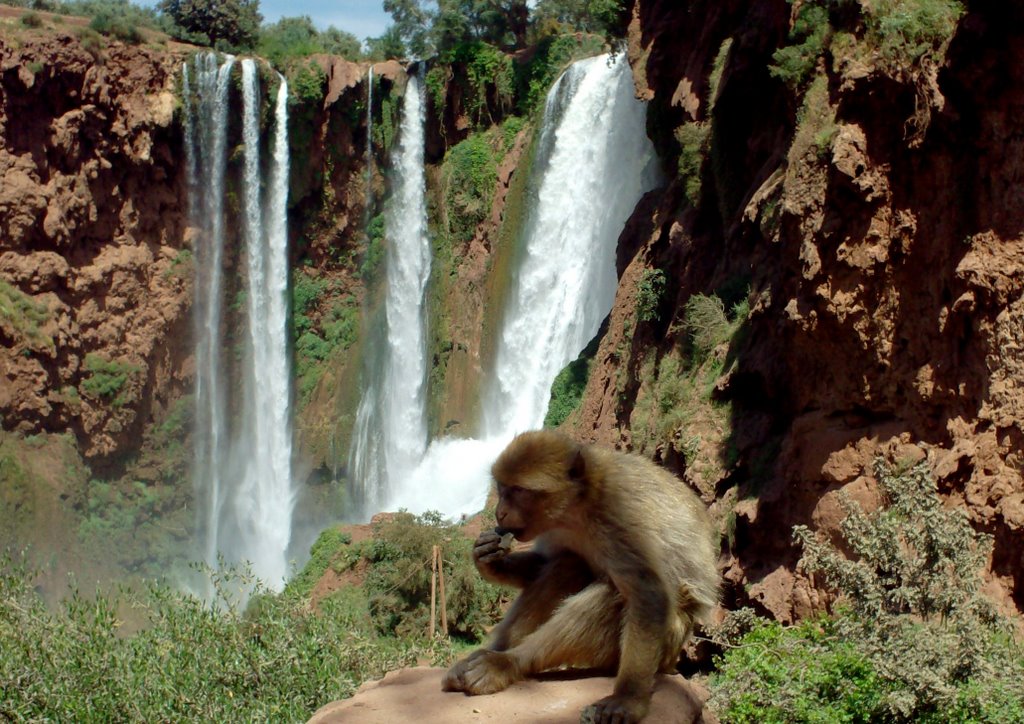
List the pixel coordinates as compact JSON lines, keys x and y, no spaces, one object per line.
{"x":498,"y":565}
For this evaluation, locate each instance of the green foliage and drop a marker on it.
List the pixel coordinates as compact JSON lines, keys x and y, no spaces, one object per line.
{"x":24,"y":315}
{"x":325,"y":549}
{"x":32,"y":20}
{"x":489,"y":74}
{"x":706,"y":324}
{"x":649,"y":291}
{"x":106,"y":377}
{"x":308,"y":84}
{"x":795,"y":63}
{"x":297,"y":37}
{"x":603,"y":17}
{"x":908,"y":31}
{"x":436,"y":82}
{"x":192,"y":661}
{"x":398,"y":581}
{"x":567,"y":391}
{"x":694,"y":140}
{"x":235,"y":22}
{"x":470,"y":173}
{"x":182,"y":265}
{"x":116,"y":26}
{"x":427,"y":27}
{"x":374,"y":254}
{"x":317,"y":336}
{"x":306,"y":293}
{"x":914,"y":641}
{"x":388,"y":45}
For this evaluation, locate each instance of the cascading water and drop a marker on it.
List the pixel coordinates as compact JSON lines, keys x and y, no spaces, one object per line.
{"x":205,"y":143}
{"x":264,"y":498}
{"x":369,"y":142}
{"x":592,"y":165}
{"x":390,"y":433}
{"x":244,"y":489}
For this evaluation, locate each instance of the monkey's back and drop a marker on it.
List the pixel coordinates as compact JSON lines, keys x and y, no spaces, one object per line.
{"x":673,"y":521}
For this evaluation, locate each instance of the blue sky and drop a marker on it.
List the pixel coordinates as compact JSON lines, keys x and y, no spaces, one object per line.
{"x":362,"y":18}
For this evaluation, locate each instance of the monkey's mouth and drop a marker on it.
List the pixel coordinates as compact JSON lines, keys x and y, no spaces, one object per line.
{"x":516,"y":532}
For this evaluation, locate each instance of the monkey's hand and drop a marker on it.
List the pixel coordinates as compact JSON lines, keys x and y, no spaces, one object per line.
{"x":616,"y":709}
{"x":490,"y":548}
{"x":482,"y":672}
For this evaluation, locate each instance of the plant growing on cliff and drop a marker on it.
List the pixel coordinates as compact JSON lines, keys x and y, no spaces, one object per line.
{"x":106,"y":378}
{"x":913,"y":638}
{"x":649,"y":291}
{"x":235,"y":22}
{"x":469,"y":176}
{"x":21,"y":316}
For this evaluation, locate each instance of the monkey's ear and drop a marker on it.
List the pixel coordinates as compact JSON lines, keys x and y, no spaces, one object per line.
{"x":578,"y":466}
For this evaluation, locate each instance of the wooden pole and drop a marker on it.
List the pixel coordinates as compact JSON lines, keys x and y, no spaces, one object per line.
{"x":433,"y":588}
{"x":444,"y":603}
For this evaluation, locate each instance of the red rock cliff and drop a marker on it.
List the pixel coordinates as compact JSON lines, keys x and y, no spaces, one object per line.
{"x":885,"y":258}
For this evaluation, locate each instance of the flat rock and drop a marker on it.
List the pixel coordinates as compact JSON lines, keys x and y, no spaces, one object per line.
{"x":557,"y":698}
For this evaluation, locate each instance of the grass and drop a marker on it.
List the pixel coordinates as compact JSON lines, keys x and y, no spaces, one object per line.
{"x":24,"y":316}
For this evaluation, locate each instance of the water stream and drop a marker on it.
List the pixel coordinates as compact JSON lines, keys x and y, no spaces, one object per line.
{"x":592,"y":164}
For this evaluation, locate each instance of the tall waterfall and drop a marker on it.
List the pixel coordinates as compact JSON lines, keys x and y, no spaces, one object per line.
{"x":592,"y":165}
{"x":244,"y":487}
{"x":205,"y":144}
{"x":390,"y":434}
{"x":369,"y":143}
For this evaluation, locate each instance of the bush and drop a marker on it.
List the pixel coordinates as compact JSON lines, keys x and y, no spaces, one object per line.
{"x":913,"y":640}
{"x":274,"y":661}
{"x":235,"y":22}
{"x":32,"y":20}
{"x":116,"y":26}
{"x":648,"y":294}
{"x":106,"y":377}
{"x":398,"y":581}
{"x":470,"y":176}
{"x":567,"y":391}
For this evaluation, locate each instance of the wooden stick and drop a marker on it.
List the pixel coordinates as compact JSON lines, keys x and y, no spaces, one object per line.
{"x":433,"y":587}
{"x":444,"y":604}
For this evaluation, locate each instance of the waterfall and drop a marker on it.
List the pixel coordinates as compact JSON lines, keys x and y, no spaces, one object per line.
{"x":369,"y":143}
{"x":206,"y":113}
{"x":390,"y":433}
{"x":264,"y":497}
{"x":593,"y":163}
{"x":243,"y":480}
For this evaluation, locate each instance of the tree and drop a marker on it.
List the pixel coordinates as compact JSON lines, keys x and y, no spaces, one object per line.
{"x":388,"y":45}
{"x":237,"y":22}
{"x":431,"y":26}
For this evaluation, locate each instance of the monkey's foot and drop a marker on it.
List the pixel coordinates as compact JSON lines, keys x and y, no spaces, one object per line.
{"x":482,"y":672}
{"x":616,"y":709}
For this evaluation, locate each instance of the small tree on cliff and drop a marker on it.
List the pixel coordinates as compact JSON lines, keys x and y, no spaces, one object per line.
{"x":236,"y":22}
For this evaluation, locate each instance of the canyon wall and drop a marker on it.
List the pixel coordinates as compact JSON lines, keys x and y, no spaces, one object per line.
{"x":877,"y":222}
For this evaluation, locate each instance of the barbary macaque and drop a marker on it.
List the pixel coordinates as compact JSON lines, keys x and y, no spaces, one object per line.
{"x":624,"y":562}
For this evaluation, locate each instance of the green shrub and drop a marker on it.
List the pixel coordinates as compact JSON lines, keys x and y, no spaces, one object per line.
{"x":116,"y":26}
{"x":706,"y":323}
{"x":398,"y":580}
{"x":907,"y":31}
{"x":694,"y":144}
{"x":192,"y":661}
{"x":567,"y":391}
{"x":32,"y":20}
{"x":324,"y":550}
{"x":649,"y":291}
{"x":470,"y":175}
{"x":913,"y":640}
{"x":24,"y":314}
{"x":106,"y":377}
{"x":795,"y":63}
{"x":373,"y":256}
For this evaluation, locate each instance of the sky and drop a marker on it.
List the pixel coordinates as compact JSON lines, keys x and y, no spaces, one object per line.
{"x":362,"y":18}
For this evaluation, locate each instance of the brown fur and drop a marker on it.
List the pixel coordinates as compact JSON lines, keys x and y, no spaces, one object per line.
{"x":623,"y":565}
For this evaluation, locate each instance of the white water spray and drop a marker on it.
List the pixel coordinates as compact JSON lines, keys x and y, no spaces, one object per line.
{"x":264,"y":498}
{"x":390,"y":434}
{"x":206,"y":115}
{"x":243,"y":490}
{"x":592,"y":165}
{"x":369,"y":143}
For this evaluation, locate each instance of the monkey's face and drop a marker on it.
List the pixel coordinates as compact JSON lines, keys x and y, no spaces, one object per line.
{"x":521,"y":512}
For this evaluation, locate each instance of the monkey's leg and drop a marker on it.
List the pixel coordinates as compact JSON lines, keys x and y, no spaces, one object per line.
{"x":584,"y":631}
{"x":563,"y":576}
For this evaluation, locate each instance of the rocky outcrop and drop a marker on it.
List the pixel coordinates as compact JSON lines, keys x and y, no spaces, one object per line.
{"x":93,"y":247}
{"x":415,"y":695}
{"x":880,"y":232}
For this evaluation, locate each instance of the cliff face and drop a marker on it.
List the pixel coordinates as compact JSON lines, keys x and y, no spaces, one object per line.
{"x":879,"y":228}
{"x":97,"y":278}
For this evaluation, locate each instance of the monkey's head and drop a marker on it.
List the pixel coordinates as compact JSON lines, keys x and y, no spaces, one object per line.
{"x":539,"y":477}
